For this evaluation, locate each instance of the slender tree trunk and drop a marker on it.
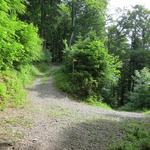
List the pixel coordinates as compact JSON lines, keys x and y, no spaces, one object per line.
{"x":143,"y":38}
{"x":72,"y":38}
{"x":130,"y":75}
{"x":43,"y":14}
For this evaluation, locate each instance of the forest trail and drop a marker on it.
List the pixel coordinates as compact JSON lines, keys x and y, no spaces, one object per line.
{"x":52,"y":121}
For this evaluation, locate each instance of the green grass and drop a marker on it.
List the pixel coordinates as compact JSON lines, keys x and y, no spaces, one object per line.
{"x":92,"y":100}
{"x":147,"y":112}
{"x":136,"y":137}
{"x":99,"y":104}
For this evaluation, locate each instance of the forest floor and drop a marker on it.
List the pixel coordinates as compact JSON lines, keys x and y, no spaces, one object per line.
{"x":52,"y":121}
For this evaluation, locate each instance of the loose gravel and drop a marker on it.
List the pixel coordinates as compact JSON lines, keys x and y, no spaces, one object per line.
{"x":60,"y":123}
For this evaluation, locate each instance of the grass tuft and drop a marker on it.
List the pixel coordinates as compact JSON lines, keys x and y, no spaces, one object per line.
{"x":99,"y":104}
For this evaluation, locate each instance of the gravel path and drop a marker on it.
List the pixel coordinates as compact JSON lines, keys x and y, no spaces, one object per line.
{"x":59,"y":123}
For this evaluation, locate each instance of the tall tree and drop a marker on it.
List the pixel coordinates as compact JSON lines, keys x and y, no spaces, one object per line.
{"x":129,"y":38}
{"x":77,"y":15}
{"x":45,"y":14}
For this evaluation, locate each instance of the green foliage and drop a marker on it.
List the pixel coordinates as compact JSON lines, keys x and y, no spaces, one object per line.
{"x":129,"y":38}
{"x":14,"y":93}
{"x":19,"y":41}
{"x":3,"y":94}
{"x":140,"y":97}
{"x":43,"y":67}
{"x":85,"y":22}
{"x":136,"y":137}
{"x":12,"y":6}
{"x":55,"y":21}
{"x":90,"y":67}
{"x":27,"y":73}
{"x":46,"y":15}
{"x":32,"y":44}
{"x":62,"y":82}
{"x":15,"y":88}
{"x":20,"y":46}
{"x":147,"y":112}
{"x":12,"y":85}
{"x":93,"y":101}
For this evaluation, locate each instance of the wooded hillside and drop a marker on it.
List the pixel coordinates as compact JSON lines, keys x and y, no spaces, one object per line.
{"x":103,"y":60}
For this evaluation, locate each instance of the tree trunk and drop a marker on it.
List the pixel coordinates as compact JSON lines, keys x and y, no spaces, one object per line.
{"x":43,"y":15}
{"x":72,"y":38}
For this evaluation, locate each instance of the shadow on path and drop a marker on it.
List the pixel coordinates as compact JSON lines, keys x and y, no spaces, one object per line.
{"x":46,"y":89}
{"x":91,"y":135}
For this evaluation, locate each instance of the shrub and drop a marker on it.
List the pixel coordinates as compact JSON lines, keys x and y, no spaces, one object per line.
{"x":140,"y":97}
{"x":92,"y":100}
{"x":90,"y":68}
{"x":62,"y":82}
{"x":19,"y":41}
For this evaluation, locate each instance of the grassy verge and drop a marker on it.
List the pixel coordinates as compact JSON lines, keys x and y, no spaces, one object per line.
{"x":147,"y":112}
{"x":136,"y":137}
{"x":130,"y":107}
{"x":99,"y":104}
{"x":13,"y":82}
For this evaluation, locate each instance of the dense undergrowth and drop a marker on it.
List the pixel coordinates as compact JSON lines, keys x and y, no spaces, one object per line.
{"x":62,"y":82}
{"x":12,"y":86}
{"x":91,"y":74}
{"x":20,"y":47}
{"x":138,"y":103}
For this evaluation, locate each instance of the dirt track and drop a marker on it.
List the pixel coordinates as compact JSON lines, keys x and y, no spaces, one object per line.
{"x":54,"y":122}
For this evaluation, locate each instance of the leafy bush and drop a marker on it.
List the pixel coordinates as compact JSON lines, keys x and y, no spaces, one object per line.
{"x":20,"y":46}
{"x":90,"y":68}
{"x":136,"y":137}
{"x":62,"y":82}
{"x":140,"y":97}
{"x":19,"y":41}
{"x":92,"y":100}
